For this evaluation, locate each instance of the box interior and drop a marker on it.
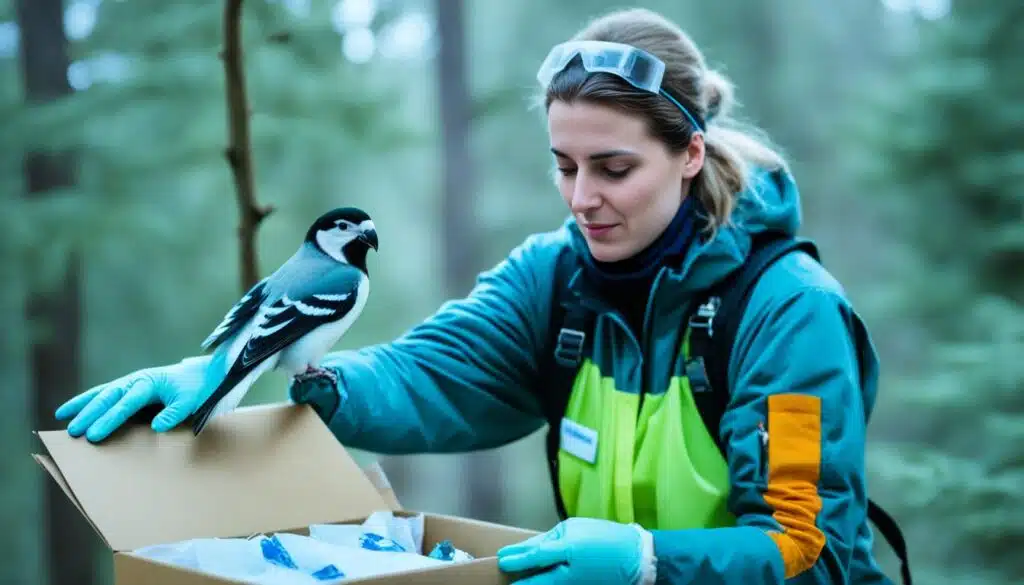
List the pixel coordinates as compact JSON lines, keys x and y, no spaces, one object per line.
{"x":255,"y":470}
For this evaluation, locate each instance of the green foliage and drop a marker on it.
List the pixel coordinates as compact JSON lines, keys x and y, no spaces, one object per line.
{"x":150,"y":145}
{"x":154,"y":210}
{"x":947,"y":158}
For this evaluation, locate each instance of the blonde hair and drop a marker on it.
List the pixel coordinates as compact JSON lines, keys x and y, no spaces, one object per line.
{"x":730,"y":148}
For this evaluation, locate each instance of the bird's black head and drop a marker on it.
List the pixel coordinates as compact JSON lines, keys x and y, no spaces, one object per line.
{"x":345,"y":234}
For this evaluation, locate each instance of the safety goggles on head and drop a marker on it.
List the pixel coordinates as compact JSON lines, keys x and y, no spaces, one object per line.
{"x":641,"y":69}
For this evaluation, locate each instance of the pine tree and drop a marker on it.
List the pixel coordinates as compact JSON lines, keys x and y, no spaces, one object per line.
{"x":950,"y":164}
{"x":150,"y":128}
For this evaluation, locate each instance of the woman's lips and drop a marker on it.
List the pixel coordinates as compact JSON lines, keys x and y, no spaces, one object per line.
{"x":599,"y":231}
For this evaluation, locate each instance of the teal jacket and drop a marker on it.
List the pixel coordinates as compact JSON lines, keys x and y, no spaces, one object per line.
{"x":465,"y":379}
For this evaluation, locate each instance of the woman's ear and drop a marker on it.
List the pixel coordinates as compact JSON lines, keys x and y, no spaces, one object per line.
{"x":693,"y":156}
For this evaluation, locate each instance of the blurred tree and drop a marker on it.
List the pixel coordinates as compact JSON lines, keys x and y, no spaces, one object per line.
{"x":54,"y":312}
{"x":949,"y":161}
{"x":457,"y":195}
{"x":239,"y":149}
{"x":482,"y":470}
{"x":151,"y":208}
{"x":149,"y":121}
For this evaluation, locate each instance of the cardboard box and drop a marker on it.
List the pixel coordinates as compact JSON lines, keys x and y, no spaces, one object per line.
{"x":269,"y":468}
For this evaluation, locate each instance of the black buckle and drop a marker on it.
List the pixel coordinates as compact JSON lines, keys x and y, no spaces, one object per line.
{"x":569,"y":350}
{"x":704,"y":316}
{"x":697,"y":375}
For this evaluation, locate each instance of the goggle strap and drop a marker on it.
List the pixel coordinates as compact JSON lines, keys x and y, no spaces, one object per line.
{"x":686,"y":112}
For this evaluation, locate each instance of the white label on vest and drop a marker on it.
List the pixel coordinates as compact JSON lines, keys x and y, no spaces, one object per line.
{"x":579,"y":440}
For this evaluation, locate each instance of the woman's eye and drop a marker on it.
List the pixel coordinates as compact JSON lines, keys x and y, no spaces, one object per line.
{"x":566,"y":172}
{"x":617,"y":173}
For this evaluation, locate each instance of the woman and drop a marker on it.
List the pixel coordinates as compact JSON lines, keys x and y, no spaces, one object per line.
{"x":665,"y":200}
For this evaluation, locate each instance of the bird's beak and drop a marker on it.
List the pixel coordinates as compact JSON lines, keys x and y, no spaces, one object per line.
{"x":369,"y":237}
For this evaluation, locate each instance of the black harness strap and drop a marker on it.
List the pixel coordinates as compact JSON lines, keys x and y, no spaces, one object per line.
{"x":571,"y":325}
{"x":713,"y":327}
{"x":890,"y":531}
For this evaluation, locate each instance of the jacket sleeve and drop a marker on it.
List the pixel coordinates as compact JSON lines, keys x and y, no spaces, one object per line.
{"x":462,"y":380}
{"x":795,"y":435}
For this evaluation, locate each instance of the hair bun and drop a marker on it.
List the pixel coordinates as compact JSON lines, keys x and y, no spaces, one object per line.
{"x":717,"y":93}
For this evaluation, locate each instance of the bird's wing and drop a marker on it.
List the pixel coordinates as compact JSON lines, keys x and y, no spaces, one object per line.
{"x":234,"y":321}
{"x":286,"y":316}
{"x":301,"y":308}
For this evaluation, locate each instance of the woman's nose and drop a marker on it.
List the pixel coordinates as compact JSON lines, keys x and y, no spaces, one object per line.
{"x":585,"y":196}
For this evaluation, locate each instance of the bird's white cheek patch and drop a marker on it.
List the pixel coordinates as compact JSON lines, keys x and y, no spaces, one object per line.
{"x":332,"y":241}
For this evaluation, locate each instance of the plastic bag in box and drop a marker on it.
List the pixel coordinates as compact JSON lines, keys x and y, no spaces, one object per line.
{"x":382,"y":544}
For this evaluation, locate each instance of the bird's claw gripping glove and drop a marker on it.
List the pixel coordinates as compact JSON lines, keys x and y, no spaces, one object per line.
{"x":180,"y":387}
{"x":324,"y":393}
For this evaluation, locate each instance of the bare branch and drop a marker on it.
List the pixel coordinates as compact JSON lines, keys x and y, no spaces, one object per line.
{"x":239,"y":150}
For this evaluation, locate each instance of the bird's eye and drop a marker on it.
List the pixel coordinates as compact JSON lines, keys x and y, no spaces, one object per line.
{"x":342,"y":226}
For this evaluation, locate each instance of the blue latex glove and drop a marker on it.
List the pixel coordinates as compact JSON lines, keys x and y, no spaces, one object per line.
{"x":101,"y":410}
{"x":583,"y":550}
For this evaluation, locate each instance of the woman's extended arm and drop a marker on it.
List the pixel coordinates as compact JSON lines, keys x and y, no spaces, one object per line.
{"x":462,"y":380}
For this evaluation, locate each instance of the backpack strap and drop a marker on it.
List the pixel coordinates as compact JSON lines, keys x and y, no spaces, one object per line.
{"x":890,"y":531}
{"x":569,"y":342}
{"x":714,"y":323}
{"x":712,"y":329}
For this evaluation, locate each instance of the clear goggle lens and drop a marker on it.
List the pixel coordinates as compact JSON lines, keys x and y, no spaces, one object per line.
{"x":639,"y":68}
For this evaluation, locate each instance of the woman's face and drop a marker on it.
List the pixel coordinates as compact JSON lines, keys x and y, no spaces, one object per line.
{"x":622,"y":185}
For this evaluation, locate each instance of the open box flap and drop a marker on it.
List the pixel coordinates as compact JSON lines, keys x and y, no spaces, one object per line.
{"x":260,"y":468}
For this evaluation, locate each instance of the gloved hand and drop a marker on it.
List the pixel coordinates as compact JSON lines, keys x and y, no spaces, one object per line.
{"x":584,"y":550}
{"x":99,"y":411}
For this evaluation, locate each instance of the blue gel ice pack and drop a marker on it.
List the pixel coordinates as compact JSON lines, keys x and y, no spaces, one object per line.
{"x":328,"y":573}
{"x":275,"y":553}
{"x":444,"y":551}
{"x":371,"y":541}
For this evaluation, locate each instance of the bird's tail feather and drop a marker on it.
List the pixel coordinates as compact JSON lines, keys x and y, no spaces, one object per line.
{"x":227,"y":396}
{"x":203,"y":415}
{"x":216,"y":377}
{"x":205,"y":412}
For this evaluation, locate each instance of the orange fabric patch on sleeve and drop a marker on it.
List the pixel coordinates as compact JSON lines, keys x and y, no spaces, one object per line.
{"x":794,"y":463}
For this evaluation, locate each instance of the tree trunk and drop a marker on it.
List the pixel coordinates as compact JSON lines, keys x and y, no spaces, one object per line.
{"x":71,"y":546}
{"x":482,"y":471}
{"x":457,"y":207}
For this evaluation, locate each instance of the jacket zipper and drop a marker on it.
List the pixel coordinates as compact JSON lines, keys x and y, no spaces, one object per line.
{"x":762,"y":463}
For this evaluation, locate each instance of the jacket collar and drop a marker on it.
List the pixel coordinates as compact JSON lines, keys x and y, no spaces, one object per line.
{"x":770,"y":202}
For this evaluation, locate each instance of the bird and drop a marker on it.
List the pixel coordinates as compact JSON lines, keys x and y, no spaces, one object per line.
{"x":289,"y":320}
